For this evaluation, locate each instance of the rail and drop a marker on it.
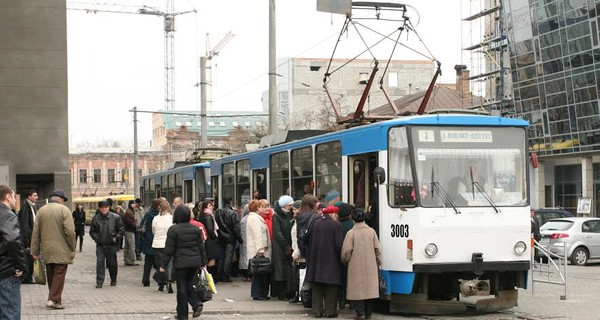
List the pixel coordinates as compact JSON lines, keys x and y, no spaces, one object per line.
{"x":550,"y":268}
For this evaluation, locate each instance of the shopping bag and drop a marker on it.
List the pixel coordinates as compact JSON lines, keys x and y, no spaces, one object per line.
{"x":306,"y":295}
{"x":260,"y":265}
{"x":200,"y":286}
{"x":211,"y":282}
{"x":39,"y":271}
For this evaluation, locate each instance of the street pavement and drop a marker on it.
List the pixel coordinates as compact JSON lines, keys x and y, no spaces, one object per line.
{"x":130,"y":300}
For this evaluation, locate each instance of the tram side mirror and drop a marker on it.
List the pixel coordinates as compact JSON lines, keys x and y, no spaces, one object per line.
{"x":379,"y":175}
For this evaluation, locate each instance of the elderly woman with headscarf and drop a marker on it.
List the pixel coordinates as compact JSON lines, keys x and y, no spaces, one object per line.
{"x":282,"y":249}
{"x":323,"y":264}
{"x":361,"y":251}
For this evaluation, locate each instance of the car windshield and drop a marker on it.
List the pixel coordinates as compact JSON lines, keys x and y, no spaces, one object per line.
{"x":558,"y":225}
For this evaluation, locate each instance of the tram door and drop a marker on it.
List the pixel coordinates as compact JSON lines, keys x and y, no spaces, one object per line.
{"x":259,"y":184}
{"x":362,"y":191}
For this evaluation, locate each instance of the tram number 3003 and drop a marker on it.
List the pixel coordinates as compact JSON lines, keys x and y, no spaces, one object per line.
{"x":399,"y":231}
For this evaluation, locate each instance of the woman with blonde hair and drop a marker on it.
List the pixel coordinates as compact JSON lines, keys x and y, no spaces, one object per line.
{"x":160,"y":226}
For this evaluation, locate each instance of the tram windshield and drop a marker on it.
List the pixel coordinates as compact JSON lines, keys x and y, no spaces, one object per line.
{"x":463,"y":166}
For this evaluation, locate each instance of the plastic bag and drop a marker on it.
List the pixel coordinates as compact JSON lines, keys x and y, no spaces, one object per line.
{"x":210,"y":281}
{"x":39,"y":272}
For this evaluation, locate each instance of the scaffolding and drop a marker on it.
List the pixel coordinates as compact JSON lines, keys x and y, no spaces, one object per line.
{"x":487,"y":44}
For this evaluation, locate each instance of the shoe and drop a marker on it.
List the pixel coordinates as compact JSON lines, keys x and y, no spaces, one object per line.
{"x":161,"y":288}
{"x":146,"y":284}
{"x":58,"y":306}
{"x":132,"y":264}
{"x":138,"y":258}
{"x":49,"y":304}
{"x":335,"y":315}
{"x":261,"y":298}
{"x":113,"y":283}
{"x":170,"y":288}
{"x":197,"y":311}
{"x":98,"y":285}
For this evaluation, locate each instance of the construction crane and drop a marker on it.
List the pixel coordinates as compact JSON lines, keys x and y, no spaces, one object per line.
{"x":168,"y":16}
{"x":210,"y":54}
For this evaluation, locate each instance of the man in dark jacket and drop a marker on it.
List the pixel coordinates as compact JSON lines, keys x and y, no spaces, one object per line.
{"x":13,"y":263}
{"x":26,"y":220}
{"x":229,"y":232}
{"x":107,"y":230}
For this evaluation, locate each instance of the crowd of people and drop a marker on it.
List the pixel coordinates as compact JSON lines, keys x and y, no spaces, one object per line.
{"x":292,"y":250}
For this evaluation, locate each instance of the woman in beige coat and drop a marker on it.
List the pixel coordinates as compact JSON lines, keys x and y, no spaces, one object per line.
{"x":258,"y":243}
{"x":362,"y":253}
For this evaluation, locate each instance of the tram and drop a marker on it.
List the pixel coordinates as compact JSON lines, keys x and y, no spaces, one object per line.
{"x":191,"y":182}
{"x":446,"y":193}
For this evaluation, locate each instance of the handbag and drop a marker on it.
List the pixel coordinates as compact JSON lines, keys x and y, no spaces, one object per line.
{"x":201,"y":287}
{"x":306,"y":295}
{"x":39,"y":272}
{"x":260,"y":265}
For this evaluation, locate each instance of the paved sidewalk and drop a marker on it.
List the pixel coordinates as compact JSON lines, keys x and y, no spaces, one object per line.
{"x":129,"y":299}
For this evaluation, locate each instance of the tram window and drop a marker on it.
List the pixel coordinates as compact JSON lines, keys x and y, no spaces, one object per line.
{"x":164,"y":187}
{"x":401,"y":190}
{"x":215,"y":190}
{"x":280,"y":182}
{"x":302,"y":173}
{"x":177,"y":185}
{"x":228,"y":190}
{"x":243,"y":183}
{"x":329,"y":172}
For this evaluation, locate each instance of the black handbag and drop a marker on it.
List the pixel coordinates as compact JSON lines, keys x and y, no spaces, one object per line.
{"x":306,"y":295}
{"x":260,"y":265}
{"x":200,"y":286}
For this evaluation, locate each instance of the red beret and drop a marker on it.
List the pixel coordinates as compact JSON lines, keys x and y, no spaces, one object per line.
{"x":331,"y":209}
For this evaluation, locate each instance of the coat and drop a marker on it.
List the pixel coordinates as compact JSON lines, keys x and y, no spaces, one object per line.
{"x":282,"y":244}
{"x":26,"y":223}
{"x":361,"y":251}
{"x":257,"y":236}
{"x":243,"y":260}
{"x":54,"y":234}
{"x":323,"y":251}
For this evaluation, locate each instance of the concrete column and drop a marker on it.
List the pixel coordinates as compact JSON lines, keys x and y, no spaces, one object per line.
{"x":587,"y":181}
{"x":540,"y":186}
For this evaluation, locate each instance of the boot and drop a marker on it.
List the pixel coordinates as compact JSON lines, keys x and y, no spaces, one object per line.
{"x":170,"y":288}
{"x":295,"y":298}
{"x":161,"y":288}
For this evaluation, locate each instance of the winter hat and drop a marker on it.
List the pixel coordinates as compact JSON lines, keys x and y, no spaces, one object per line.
{"x":297,"y":204}
{"x":331,"y":209}
{"x":131,"y":202}
{"x":103,"y":203}
{"x":285,"y":200}
{"x":345,"y":209}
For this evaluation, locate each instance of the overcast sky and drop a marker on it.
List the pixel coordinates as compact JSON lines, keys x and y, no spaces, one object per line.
{"x":116,"y":61}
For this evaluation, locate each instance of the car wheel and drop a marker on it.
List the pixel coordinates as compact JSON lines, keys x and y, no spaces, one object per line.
{"x":579,"y":257}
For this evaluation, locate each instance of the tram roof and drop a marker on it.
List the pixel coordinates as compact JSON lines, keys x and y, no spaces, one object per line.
{"x":367,"y":138}
{"x":188,"y":171}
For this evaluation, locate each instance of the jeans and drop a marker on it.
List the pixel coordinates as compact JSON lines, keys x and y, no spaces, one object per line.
{"x":129,"y":252}
{"x":10,"y":298}
{"x":106,"y":255}
{"x":149,"y":263}
{"x":224,"y":266}
{"x":185,"y":292}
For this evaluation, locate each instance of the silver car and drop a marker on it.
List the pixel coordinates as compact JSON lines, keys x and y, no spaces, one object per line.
{"x":580,"y":235}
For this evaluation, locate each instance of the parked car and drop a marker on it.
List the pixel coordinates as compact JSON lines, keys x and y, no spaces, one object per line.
{"x":579,"y":235}
{"x":542,"y":216}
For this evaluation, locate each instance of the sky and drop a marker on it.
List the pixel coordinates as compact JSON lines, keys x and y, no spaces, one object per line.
{"x":116,"y":60}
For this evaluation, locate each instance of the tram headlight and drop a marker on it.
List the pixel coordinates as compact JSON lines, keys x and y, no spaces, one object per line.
{"x":520,"y":247}
{"x":431,"y":250}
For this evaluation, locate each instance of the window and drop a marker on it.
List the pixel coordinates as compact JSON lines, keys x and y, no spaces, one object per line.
{"x":97,"y":176}
{"x":302,"y":164}
{"x":279,"y":175}
{"x":111,"y":176}
{"x":400,"y":186}
{"x":124,"y":175}
{"x":244,"y":194}
{"x":359,"y":183}
{"x":228,"y":181}
{"x":329,"y":172}
{"x":82,"y":176}
{"x":211,"y":123}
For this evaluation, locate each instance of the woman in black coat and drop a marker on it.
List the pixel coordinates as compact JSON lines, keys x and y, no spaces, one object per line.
{"x":79,"y":219}
{"x":281,"y":256}
{"x":186,"y":247}
{"x":207,"y":217}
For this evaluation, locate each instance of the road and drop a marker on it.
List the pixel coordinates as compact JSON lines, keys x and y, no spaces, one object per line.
{"x":130,"y":300}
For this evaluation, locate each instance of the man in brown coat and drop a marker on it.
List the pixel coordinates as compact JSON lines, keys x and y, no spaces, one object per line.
{"x":54,"y":237}
{"x":361,"y":251}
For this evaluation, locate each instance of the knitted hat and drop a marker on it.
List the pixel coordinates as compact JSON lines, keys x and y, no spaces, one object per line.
{"x":297,"y":204}
{"x":345,"y":209}
{"x":285,"y":200}
{"x":331,"y":209}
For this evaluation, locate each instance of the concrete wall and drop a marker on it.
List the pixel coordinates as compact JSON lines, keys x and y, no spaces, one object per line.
{"x":33,"y":92}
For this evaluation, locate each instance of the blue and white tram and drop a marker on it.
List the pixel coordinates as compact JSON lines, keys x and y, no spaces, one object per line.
{"x":191,"y":182}
{"x":447,"y":194}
